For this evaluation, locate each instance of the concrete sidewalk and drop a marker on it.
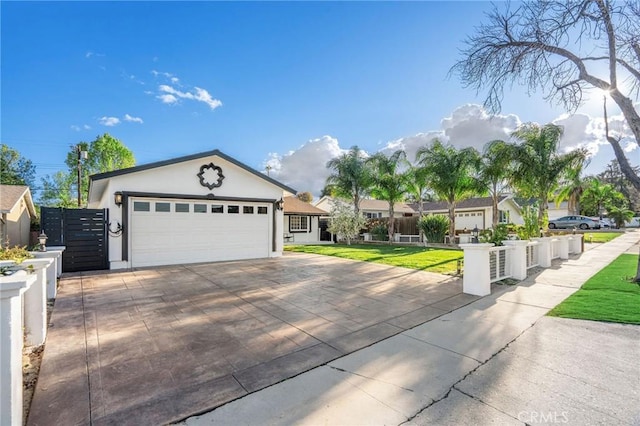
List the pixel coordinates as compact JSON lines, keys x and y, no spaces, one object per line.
{"x":455,"y":369}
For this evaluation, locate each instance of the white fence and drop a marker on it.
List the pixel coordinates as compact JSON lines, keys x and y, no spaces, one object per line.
{"x":485,"y":264}
{"x":533,"y":249}
{"x":499,"y":267}
{"x":23,"y":307}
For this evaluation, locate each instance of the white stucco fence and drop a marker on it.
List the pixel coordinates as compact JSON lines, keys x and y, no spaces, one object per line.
{"x":23,"y":307}
{"x":485,"y":264}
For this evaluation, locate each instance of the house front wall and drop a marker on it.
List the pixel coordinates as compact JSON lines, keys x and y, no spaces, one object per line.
{"x":17,"y":225}
{"x":295,"y":235}
{"x":175,"y":223}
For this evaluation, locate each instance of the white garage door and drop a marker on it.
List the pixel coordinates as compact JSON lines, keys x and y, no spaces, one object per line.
{"x":470,"y":220}
{"x":167,"y":232}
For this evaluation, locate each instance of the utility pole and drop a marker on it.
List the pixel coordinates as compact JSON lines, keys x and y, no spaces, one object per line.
{"x":268,"y":168}
{"x":82,"y":155}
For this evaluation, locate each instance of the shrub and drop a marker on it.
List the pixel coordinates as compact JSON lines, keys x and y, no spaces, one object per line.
{"x":380,"y":232}
{"x":495,"y":236}
{"x":531,"y":227}
{"x":434,"y":227}
{"x":17,"y":254}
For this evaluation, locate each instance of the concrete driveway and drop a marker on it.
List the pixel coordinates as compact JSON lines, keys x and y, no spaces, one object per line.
{"x":154,"y":346}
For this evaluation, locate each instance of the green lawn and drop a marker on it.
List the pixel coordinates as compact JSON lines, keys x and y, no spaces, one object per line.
{"x":427,"y":259}
{"x":600,"y":237}
{"x":607,"y":296}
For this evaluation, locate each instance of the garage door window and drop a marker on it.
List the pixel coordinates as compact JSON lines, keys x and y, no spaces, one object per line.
{"x":199,"y":208}
{"x":182,"y":208}
{"x":217,"y":208}
{"x":141,"y":206}
{"x":163,"y":207}
{"x":233,"y":209}
{"x":247,"y":209}
{"x":262,"y":210}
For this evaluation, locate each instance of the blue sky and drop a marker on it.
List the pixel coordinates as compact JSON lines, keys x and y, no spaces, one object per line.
{"x":285,"y":83}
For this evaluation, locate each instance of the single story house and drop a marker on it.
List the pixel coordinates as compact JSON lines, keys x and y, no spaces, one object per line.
{"x":198,"y":208}
{"x":553,"y":211}
{"x":16,"y":212}
{"x":301,"y":221}
{"x":477,"y":212}
{"x":372,"y":209}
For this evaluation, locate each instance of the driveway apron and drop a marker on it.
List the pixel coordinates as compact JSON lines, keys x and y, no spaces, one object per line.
{"x":154,"y":346}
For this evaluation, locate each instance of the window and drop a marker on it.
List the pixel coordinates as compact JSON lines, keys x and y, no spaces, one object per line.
{"x":182,"y":208}
{"x":141,"y":206}
{"x":298,"y":223}
{"x":373,"y":215}
{"x":262,"y":210}
{"x":199,"y":208}
{"x":217,"y":208}
{"x":503,"y":216}
{"x":163,"y":207}
{"x":247,"y":209}
{"x":473,"y":214}
{"x":233,"y":209}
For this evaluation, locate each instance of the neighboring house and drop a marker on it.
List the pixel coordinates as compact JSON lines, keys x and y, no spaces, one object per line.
{"x":199,"y":208}
{"x":301,"y":221}
{"x":371,"y":209}
{"x":477,"y":212}
{"x":553,"y":212}
{"x":17,"y":211}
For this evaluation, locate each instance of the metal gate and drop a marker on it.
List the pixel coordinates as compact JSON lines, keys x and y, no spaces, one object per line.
{"x":84,"y":233}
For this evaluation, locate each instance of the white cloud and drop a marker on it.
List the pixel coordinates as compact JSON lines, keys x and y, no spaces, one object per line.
{"x":305,"y":169}
{"x":471,"y":126}
{"x":162,"y":74}
{"x":175,"y":80}
{"x":90,"y":54}
{"x":167,"y":99}
{"x":584,"y":131}
{"x":131,"y":119}
{"x":109,"y":121}
{"x":200,"y":95}
{"x":86,"y":127}
{"x":76,"y":128}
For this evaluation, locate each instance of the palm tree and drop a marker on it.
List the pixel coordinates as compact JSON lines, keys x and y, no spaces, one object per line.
{"x":351,"y":177}
{"x":494,"y":171}
{"x":450,"y":174}
{"x":572,"y":188}
{"x":597,"y":196}
{"x":538,"y":165}
{"x":389,"y":182}
{"x":416,"y":188}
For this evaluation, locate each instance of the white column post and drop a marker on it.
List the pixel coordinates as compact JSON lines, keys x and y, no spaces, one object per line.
{"x":52,"y":272}
{"x":476,"y":279}
{"x":578,"y":243}
{"x":35,"y":302}
{"x":544,"y":251}
{"x":59,"y":249}
{"x":518,"y":256}
{"x":564,"y":246}
{"x":11,"y":287}
{"x":396,"y":237}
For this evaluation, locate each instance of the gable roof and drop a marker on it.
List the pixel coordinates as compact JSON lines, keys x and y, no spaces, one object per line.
{"x":367,"y":204}
{"x":381,"y":205}
{"x":292,"y":205}
{"x":10,"y":196}
{"x":469,"y":203}
{"x":149,"y":166}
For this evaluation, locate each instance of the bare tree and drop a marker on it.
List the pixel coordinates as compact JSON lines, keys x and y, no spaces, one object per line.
{"x":560,"y":47}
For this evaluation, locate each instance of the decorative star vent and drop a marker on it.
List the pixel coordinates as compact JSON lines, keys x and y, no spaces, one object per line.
{"x":210,"y":176}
